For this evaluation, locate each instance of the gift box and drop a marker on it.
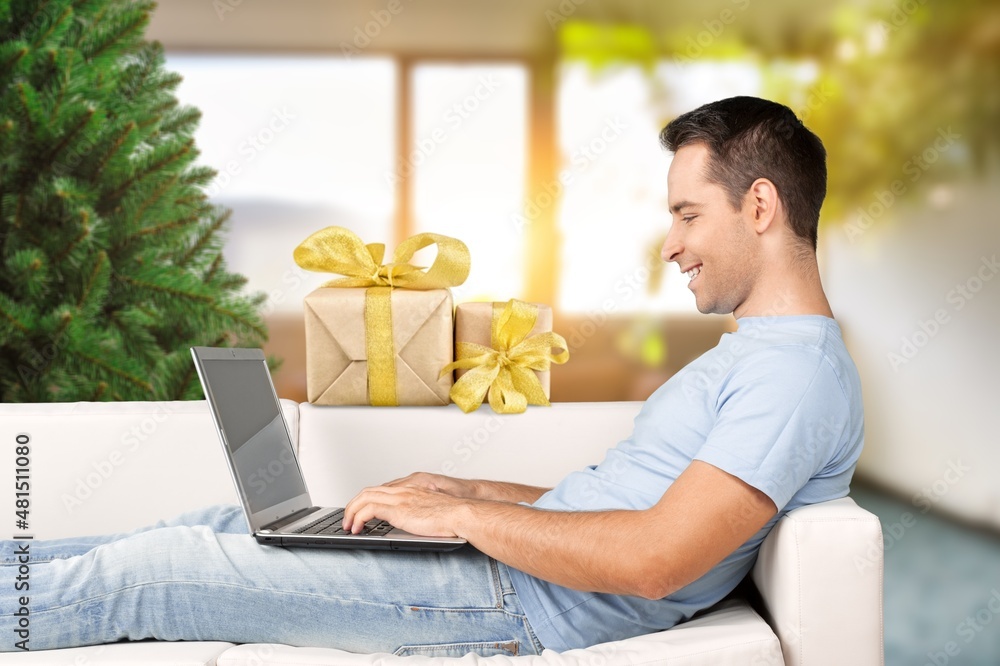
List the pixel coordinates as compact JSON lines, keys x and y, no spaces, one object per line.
{"x":381,"y":334}
{"x":337,"y":347}
{"x":503,"y":352}
{"x":474,"y":323}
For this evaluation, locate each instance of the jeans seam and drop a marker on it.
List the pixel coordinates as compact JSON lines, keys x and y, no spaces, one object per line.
{"x":531,"y":634}
{"x":497,"y":587}
{"x":537,"y":644}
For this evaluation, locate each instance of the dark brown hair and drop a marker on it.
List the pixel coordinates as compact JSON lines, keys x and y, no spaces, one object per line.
{"x":750,"y":138}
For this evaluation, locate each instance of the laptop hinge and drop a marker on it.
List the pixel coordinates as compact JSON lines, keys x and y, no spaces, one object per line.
{"x":291,"y":518}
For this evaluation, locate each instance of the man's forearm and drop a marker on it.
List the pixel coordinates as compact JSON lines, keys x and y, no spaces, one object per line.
{"x":594,"y":551}
{"x":500,"y":491}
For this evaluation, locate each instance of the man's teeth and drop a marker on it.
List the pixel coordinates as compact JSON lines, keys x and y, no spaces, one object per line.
{"x":693,"y":273}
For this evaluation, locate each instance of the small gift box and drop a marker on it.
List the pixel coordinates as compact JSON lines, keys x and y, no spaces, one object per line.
{"x":503,"y":352}
{"x":380,"y":335}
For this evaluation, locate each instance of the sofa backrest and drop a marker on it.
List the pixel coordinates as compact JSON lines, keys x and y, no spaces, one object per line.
{"x":344,"y":449}
{"x":102,"y":467}
{"x":107,"y":467}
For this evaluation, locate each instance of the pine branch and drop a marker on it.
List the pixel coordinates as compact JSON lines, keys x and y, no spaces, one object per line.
{"x":52,"y":28}
{"x":97,"y":19}
{"x":114,"y":148}
{"x":39,"y":9}
{"x":69,"y":136}
{"x":136,"y":25}
{"x":205,"y":237}
{"x":27,"y":110}
{"x":135,"y":381}
{"x":153,"y":198}
{"x":214,"y":268}
{"x":180,"y":119}
{"x":156,"y":230}
{"x":166,"y":226}
{"x":102,"y":388}
{"x":102,"y":258}
{"x":18,"y":324}
{"x":84,"y":233}
{"x":9,"y":63}
{"x":152,"y":169}
{"x":142,"y":284}
{"x":17,"y":211}
{"x":244,"y":321}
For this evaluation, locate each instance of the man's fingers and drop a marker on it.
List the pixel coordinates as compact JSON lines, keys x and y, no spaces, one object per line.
{"x":362,"y":508}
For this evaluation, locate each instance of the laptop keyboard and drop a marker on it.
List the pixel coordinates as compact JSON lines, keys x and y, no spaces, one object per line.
{"x":332,"y":523}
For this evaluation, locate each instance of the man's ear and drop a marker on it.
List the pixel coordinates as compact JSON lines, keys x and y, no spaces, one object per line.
{"x":763,"y":200}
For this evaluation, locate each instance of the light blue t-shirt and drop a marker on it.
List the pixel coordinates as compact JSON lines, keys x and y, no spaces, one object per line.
{"x":776,"y":404}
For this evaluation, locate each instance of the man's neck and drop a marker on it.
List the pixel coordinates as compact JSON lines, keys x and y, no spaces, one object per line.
{"x":791,"y":289}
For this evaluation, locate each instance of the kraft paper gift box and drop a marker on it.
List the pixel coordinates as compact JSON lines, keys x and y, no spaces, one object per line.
{"x":474,"y":323}
{"x":381,"y":334}
{"x":504,"y":365}
{"x":336,"y":346}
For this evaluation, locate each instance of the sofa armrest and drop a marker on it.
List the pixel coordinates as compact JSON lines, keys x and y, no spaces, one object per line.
{"x":819,"y":574}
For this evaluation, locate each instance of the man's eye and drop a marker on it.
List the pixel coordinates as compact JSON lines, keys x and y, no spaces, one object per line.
{"x":688,"y":218}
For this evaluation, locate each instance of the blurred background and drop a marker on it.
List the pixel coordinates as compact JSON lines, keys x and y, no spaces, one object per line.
{"x":529,"y":130}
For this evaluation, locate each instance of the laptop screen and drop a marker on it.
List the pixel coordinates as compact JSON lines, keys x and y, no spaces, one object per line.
{"x":255,"y":432}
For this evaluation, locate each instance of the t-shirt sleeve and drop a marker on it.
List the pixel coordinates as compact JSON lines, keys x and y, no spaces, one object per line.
{"x":781,"y":415}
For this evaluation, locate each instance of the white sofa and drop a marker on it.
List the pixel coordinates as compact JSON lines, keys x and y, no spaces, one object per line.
{"x":816,"y":596}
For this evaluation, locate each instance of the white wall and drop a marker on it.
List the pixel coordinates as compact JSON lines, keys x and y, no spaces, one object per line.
{"x":932,"y":420}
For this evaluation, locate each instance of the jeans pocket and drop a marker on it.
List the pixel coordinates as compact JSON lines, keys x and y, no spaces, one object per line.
{"x":482,"y":648}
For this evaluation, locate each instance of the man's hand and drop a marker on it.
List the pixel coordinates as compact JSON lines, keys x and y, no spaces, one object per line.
{"x":438,"y":483}
{"x":408,"y":506}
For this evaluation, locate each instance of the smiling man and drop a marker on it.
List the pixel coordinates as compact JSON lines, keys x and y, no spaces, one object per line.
{"x":666,"y":525}
{"x":769,"y":420}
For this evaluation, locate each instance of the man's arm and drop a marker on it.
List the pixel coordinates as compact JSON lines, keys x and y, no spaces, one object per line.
{"x":705,"y":515}
{"x":497,"y":491}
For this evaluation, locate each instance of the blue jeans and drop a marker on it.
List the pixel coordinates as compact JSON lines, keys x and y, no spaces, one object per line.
{"x":202,"y":577}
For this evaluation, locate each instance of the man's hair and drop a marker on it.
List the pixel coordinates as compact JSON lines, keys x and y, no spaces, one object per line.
{"x":750,"y":138}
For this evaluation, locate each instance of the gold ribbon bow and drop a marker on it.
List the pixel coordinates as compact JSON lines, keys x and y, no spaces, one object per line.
{"x":340,"y":250}
{"x":505,"y":371}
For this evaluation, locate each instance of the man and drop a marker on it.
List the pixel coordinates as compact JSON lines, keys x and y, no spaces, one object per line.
{"x":666,"y":525}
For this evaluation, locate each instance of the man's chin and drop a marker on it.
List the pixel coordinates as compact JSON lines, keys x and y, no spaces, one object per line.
{"x":712,"y":307}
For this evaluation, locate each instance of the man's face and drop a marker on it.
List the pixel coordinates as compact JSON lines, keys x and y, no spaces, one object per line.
{"x":708,"y":239}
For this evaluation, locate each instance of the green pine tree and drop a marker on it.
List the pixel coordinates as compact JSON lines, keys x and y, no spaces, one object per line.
{"x":110,"y":252}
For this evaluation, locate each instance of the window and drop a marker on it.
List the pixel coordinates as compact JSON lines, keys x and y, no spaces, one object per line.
{"x":300,"y":143}
{"x":614,"y":216}
{"x":469,"y":136}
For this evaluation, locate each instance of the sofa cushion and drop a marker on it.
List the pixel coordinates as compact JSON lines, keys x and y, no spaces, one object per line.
{"x":730,"y":633}
{"x":148,"y":653}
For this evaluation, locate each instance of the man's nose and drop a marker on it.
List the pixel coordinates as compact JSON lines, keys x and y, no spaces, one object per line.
{"x":672,"y":246}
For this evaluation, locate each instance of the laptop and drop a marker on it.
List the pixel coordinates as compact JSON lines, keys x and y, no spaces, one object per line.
{"x":262,"y":461}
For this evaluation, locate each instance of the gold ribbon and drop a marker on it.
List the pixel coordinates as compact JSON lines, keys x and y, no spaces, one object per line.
{"x":505,"y":371}
{"x":340,"y":250}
